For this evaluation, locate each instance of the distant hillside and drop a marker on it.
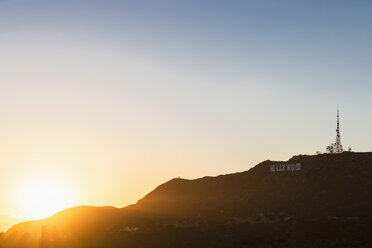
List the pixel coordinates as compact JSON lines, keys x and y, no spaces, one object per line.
{"x":327,"y":184}
{"x":7,"y":221}
{"x":329,"y":190}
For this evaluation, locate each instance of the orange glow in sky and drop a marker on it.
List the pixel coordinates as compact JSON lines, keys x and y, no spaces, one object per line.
{"x":43,"y":197}
{"x":102,"y":101}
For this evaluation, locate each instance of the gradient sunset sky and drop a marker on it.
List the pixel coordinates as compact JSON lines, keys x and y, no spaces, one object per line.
{"x":113,"y":98}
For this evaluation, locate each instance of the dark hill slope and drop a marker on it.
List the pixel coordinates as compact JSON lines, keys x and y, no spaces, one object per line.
{"x":72,"y":220}
{"x":327,"y":185}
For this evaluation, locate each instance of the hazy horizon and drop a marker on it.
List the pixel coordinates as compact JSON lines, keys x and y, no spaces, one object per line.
{"x":105,"y":100}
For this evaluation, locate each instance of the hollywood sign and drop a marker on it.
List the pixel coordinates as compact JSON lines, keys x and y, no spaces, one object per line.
{"x":285,"y":167}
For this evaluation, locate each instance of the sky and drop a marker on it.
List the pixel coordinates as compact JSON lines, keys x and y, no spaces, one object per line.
{"x":112,"y":98}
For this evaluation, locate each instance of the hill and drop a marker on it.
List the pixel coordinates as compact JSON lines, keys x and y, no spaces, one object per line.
{"x":326,"y":185}
{"x":325,"y":200}
{"x":7,"y":221}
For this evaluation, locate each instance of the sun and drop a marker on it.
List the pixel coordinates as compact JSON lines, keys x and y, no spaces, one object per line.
{"x":43,"y":197}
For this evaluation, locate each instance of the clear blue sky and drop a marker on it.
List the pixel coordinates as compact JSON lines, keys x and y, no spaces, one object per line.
{"x":128,"y":94}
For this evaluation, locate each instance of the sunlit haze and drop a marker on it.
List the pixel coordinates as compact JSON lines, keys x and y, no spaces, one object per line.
{"x":43,"y":197}
{"x":101,"y":101}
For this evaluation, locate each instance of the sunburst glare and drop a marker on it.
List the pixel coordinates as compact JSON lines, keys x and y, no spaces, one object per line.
{"x":43,"y":197}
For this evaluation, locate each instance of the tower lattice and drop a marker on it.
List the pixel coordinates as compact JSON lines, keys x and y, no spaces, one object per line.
{"x":337,"y":146}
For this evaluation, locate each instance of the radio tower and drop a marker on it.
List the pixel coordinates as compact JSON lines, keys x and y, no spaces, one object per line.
{"x":336,"y":147}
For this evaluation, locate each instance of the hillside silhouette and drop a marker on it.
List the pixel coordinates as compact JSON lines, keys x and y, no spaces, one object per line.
{"x":326,"y":203}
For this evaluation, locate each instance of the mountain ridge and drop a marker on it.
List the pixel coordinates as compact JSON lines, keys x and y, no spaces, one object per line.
{"x":328,"y":187}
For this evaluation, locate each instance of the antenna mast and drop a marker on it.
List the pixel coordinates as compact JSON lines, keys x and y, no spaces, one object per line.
{"x":337,"y":146}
